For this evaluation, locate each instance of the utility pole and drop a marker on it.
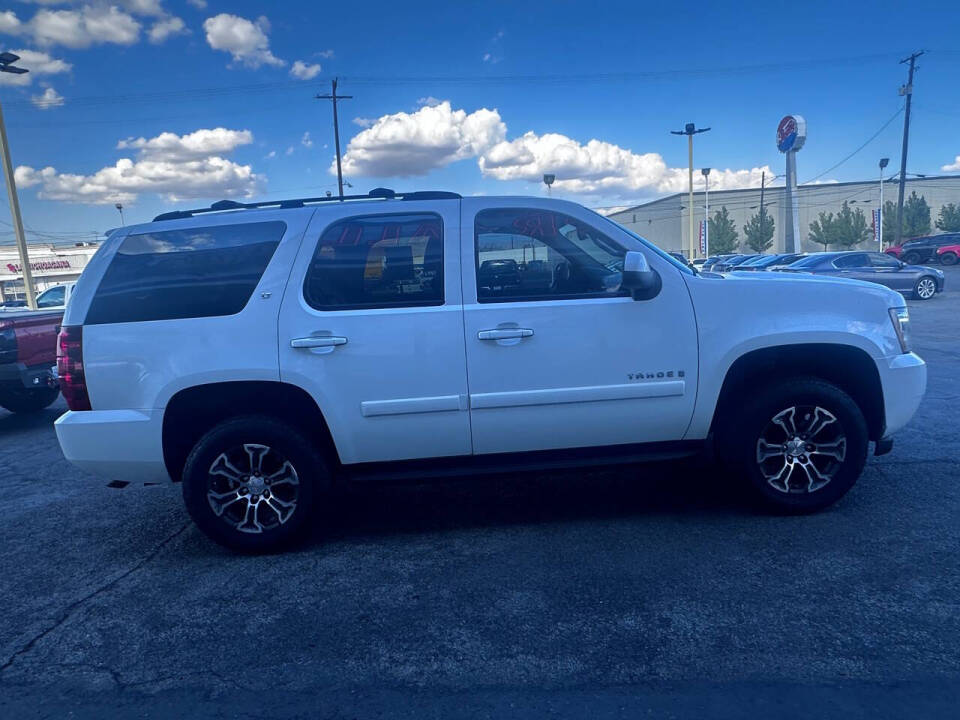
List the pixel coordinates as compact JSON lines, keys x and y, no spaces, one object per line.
{"x":690,"y":129}
{"x":883,"y":164}
{"x":336,"y":127}
{"x":908,"y":91}
{"x":6,"y":65}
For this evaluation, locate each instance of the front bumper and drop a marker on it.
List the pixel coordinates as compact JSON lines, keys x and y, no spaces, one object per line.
{"x":904,"y":381}
{"x":118,"y":444}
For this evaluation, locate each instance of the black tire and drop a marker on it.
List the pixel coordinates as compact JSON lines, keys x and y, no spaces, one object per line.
{"x":808,"y":396}
{"x":28,"y":400}
{"x":948,"y":258}
{"x":224,"y":448}
{"x":911,"y":258}
{"x":925,"y":288}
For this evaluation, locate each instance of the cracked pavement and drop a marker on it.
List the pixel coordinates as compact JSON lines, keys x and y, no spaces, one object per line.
{"x":607,"y":594}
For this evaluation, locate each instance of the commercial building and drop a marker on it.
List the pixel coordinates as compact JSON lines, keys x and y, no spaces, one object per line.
{"x":665,"y":221}
{"x":50,"y":264}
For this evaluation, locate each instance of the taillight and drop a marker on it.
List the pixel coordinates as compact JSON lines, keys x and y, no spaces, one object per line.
{"x":73,"y":383}
{"x":8,"y":342}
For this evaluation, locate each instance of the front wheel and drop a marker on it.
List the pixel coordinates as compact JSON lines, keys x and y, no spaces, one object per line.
{"x":948,"y":258}
{"x":28,"y":400}
{"x":911,"y":258}
{"x":800,"y":445}
{"x":251,"y":483}
{"x":925,"y":288}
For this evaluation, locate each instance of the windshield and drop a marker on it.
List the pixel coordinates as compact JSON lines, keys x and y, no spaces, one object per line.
{"x":808,"y":261}
{"x":682,"y":267}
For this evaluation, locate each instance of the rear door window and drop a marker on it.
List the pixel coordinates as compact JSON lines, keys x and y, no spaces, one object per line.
{"x":193,"y":272}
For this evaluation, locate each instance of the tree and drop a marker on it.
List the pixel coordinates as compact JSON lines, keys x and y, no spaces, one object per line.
{"x":949,"y":219}
{"x":916,"y":218}
{"x":723,"y":233}
{"x":849,"y":228}
{"x":759,"y":231}
{"x":821,"y":230}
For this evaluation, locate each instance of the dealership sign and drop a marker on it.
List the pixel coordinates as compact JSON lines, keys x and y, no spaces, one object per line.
{"x":791,"y":133}
{"x":48,"y":265}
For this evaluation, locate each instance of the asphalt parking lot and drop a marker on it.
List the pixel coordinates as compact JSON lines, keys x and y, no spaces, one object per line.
{"x":655,"y":591}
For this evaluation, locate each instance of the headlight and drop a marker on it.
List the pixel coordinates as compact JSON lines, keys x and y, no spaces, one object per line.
{"x":900,"y":318}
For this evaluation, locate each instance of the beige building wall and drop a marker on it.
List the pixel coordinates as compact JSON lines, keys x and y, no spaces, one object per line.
{"x":665,"y":222}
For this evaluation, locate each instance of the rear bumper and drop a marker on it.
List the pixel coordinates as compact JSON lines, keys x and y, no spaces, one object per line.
{"x":904,"y":381}
{"x":118,"y":444}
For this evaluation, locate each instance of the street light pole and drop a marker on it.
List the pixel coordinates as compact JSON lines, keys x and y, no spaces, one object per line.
{"x":706,"y":212}
{"x":690,"y":129}
{"x":883,"y":164}
{"x":119,"y":208}
{"x":6,"y":65}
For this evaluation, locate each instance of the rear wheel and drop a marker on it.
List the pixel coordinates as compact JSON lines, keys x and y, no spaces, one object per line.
{"x":925,"y":288}
{"x":948,"y":258}
{"x":800,"y":445}
{"x":28,"y":400}
{"x":911,"y":258}
{"x":251,"y":483}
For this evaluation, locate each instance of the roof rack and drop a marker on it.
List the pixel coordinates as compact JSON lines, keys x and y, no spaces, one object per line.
{"x":375,"y":194}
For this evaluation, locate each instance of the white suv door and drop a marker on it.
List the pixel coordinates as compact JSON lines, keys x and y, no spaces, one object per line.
{"x":557,"y":356}
{"x":371,"y":326}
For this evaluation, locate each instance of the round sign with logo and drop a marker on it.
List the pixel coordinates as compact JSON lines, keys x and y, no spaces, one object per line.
{"x":791,"y":133}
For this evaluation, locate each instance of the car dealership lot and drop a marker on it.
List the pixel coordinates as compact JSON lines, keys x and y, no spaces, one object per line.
{"x":648,"y":589}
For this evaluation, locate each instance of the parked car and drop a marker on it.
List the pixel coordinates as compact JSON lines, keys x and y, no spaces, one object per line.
{"x":261,"y":354}
{"x":923,"y":249}
{"x":949,"y":254}
{"x":28,"y":354}
{"x":698,"y":263}
{"x":765,"y":262}
{"x":680,"y":257}
{"x":56,"y":296}
{"x":918,"y":281}
{"x":714,"y":259}
{"x":734,"y":262}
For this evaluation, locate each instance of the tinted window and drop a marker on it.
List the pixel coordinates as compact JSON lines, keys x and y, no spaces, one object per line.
{"x":882,"y":260}
{"x":810,"y":261}
{"x":852,"y":261}
{"x":53,"y":297}
{"x":377,"y":261}
{"x":195,"y":272}
{"x":526,"y":254}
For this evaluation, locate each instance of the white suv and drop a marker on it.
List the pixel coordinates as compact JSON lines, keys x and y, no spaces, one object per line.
{"x":260,"y":352}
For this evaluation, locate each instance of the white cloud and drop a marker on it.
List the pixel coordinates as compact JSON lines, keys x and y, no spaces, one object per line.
{"x":198,"y":4}
{"x":88,"y":25}
{"x":39,"y":63}
{"x":150,"y":8}
{"x":405,"y":144}
{"x":198,"y":144}
{"x":48,"y":100}
{"x":270,"y":155}
{"x":170,"y":165}
{"x":164,"y":28}
{"x":429,"y":100}
{"x":304,"y":71}
{"x":305,"y":140}
{"x":326,"y":54}
{"x":364,"y":122}
{"x":246,"y":41}
{"x":952,"y":167}
{"x":289,"y":151}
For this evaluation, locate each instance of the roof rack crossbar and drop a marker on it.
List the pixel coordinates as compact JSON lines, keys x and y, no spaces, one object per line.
{"x":377,"y":194}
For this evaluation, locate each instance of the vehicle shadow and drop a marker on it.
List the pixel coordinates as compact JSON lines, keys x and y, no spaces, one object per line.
{"x":14,"y":423}
{"x":689,"y":488}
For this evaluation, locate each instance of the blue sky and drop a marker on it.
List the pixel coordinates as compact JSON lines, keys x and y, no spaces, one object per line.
{"x":172,"y":103}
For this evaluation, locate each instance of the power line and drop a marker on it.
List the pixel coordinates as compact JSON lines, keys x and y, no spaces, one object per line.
{"x":868,"y":141}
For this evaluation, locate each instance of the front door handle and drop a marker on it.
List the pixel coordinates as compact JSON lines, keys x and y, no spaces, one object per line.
{"x":504,"y":334}
{"x":318,"y":341}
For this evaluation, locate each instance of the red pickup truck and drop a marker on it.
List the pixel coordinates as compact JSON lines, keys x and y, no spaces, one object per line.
{"x":28,"y":356}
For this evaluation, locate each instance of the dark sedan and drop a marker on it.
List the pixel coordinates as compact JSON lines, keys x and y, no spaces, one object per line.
{"x":765,"y":262}
{"x":732,"y":263}
{"x":916,"y":280}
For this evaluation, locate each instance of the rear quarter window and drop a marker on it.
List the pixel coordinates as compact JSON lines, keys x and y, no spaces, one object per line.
{"x":193,"y":272}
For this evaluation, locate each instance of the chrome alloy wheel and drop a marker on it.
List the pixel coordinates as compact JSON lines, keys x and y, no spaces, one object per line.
{"x":926,"y":288}
{"x":801,"y":449}
{"x":253,"y":488}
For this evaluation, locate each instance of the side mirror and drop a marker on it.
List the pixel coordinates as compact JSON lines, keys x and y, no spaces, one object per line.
{"x":643,"y":282}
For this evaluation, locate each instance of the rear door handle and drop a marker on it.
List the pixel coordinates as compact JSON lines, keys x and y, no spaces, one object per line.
{"x":504,"y":334}
{"x":318,"y":341}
